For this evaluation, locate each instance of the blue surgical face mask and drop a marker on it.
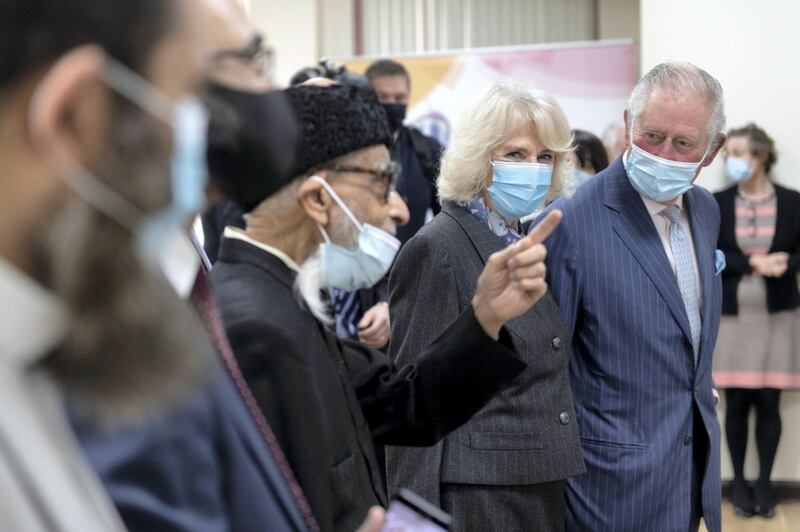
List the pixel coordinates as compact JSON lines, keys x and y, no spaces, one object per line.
{"x":355,"y":269}
{"x":737,"y":169}
{"x":188,"y":174}
{"x":518,"y":189}
{"x":659,"y":179}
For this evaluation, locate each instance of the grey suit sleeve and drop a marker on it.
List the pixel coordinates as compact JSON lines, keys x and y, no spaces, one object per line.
{"x":424,"y":300}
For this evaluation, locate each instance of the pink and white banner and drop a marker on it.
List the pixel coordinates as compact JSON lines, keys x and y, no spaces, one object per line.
{"x":591,"y":81}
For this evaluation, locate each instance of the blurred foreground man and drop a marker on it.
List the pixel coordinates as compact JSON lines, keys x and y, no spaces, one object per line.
{"x":329,"y":400}
{"x":210,"y":463}
{"x":94,"y":110}
{"x":634,"y":271}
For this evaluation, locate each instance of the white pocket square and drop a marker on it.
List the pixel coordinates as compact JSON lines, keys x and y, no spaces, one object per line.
{"x":719,"y":262}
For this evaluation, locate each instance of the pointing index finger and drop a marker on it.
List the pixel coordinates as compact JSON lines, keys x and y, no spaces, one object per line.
{"x":545,"y":228}
{"x":538,"y":235}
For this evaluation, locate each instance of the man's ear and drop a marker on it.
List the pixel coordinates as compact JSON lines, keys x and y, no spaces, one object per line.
{"x":719,"y":142}
{"x":315,"y":200}
{"x":69,"y":109}
{"x":625,"y":121}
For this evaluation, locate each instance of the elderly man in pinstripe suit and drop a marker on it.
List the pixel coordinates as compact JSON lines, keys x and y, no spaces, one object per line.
{"x":634,"y":270}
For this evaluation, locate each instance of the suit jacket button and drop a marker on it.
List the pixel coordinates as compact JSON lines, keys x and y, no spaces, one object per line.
{"x":687,"y":440}
{"x":556,"y":343}
{"x":563,"y":417}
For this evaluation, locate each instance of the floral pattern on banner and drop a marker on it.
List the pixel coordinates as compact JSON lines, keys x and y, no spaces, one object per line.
{"x":493,"y":221}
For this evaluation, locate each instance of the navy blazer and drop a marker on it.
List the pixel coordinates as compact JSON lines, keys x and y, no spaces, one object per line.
{"x":204,"y":467}
{"x":633,"y":370}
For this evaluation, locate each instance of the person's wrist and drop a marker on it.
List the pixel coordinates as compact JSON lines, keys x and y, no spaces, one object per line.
{"x":488,"y":320}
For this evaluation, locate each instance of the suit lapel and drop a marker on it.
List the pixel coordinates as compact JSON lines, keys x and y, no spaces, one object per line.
{"x":635,"y":228}
{"x":704,"y":251}
{"x":485,"y":243}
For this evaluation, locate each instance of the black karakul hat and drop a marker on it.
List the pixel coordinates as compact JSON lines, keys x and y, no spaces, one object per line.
{"x":335,"y":120}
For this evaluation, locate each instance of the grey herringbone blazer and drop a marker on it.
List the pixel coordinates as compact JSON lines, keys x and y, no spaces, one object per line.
{"x":527,"y":434}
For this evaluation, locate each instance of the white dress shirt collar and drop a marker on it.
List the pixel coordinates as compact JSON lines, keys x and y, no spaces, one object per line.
{"x":654,"y":207}
{"x":32,"y":320}
{"x":239,"y":234}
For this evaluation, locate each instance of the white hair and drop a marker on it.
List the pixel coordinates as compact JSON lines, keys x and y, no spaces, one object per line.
{"x":501,"y":113}
{"x":681,"y":78}
{"x":307,"y":287}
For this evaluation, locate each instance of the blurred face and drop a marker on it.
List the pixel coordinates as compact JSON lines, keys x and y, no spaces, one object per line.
{"x":521,"y":148}
{"x":177,"y":65}
{"x":134,"y":154}
{"x":391,"y":89}
{"x":673,"y":129}
{"x":366,"y":185}
{"x":739,"y":147}
{"x":587,"y":167}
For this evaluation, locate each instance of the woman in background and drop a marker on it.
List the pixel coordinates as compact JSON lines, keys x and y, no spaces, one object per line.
{"x":589,"y":157}
{"x":756,"y":353}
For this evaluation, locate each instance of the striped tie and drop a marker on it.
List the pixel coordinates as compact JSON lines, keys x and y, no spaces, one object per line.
{"x":347,"y":310}
{"x":684,"y":270}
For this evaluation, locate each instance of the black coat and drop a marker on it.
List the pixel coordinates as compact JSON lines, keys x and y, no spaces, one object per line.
{"x":782,"y":293}
{"x":329,"y":400}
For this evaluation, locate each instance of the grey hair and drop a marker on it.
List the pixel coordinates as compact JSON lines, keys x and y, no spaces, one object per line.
{"x":680,"y":78}
{"x":504,"y":111}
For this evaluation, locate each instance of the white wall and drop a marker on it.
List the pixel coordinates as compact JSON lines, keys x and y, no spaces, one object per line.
{"x":750,"y":47}
{"x":292,"y":30}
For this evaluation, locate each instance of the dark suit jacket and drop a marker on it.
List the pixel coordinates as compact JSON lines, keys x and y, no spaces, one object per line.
{"x":633,"y":372}
{"x":782,"y":293}
{"x":328,"y":400}
{"x":203,"y":467}
{"x":525,"y":435}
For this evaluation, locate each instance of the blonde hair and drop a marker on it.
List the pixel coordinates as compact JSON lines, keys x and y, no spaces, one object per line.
{"x":504,"y":111}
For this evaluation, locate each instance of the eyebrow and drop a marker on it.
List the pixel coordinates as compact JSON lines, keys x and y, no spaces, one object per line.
{"x":515,"y":147}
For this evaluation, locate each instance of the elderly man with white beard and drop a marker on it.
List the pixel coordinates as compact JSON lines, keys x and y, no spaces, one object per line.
{"x":330,"y":401}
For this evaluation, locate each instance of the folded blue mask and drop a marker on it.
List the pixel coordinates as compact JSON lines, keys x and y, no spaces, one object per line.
{"x":355,"y":269}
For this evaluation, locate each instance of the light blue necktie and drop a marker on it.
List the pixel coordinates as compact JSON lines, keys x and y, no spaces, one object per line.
{"x":684,"y":270}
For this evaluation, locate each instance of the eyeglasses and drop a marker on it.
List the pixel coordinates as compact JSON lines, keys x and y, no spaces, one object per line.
{"x":256,"y":54}
{"x":385,"y":175}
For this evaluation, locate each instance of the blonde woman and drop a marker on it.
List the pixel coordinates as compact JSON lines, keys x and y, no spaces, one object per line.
{"x":505,"y":468}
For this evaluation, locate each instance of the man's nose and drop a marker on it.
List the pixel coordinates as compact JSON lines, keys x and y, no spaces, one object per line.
{"x":398,"y":210}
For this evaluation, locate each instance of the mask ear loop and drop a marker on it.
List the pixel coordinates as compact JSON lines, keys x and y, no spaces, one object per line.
{"x":90,"y":189}
{"x":338,"y":200}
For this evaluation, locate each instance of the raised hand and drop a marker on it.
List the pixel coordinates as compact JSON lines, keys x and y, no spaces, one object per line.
{"x":513,"y":279}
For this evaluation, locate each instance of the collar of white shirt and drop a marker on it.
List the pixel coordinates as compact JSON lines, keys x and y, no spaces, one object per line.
{"x":180,"y":263}
{"x":32,"y":320}
{"x":238,"y":234}
{"x":655,"y":208}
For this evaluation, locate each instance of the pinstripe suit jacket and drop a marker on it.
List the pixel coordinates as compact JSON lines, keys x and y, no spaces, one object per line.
{"x":633,"y":373}
{"x":527,"y":434}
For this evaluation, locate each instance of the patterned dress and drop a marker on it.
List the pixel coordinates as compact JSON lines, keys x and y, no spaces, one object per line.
{"x":756,"y":349}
